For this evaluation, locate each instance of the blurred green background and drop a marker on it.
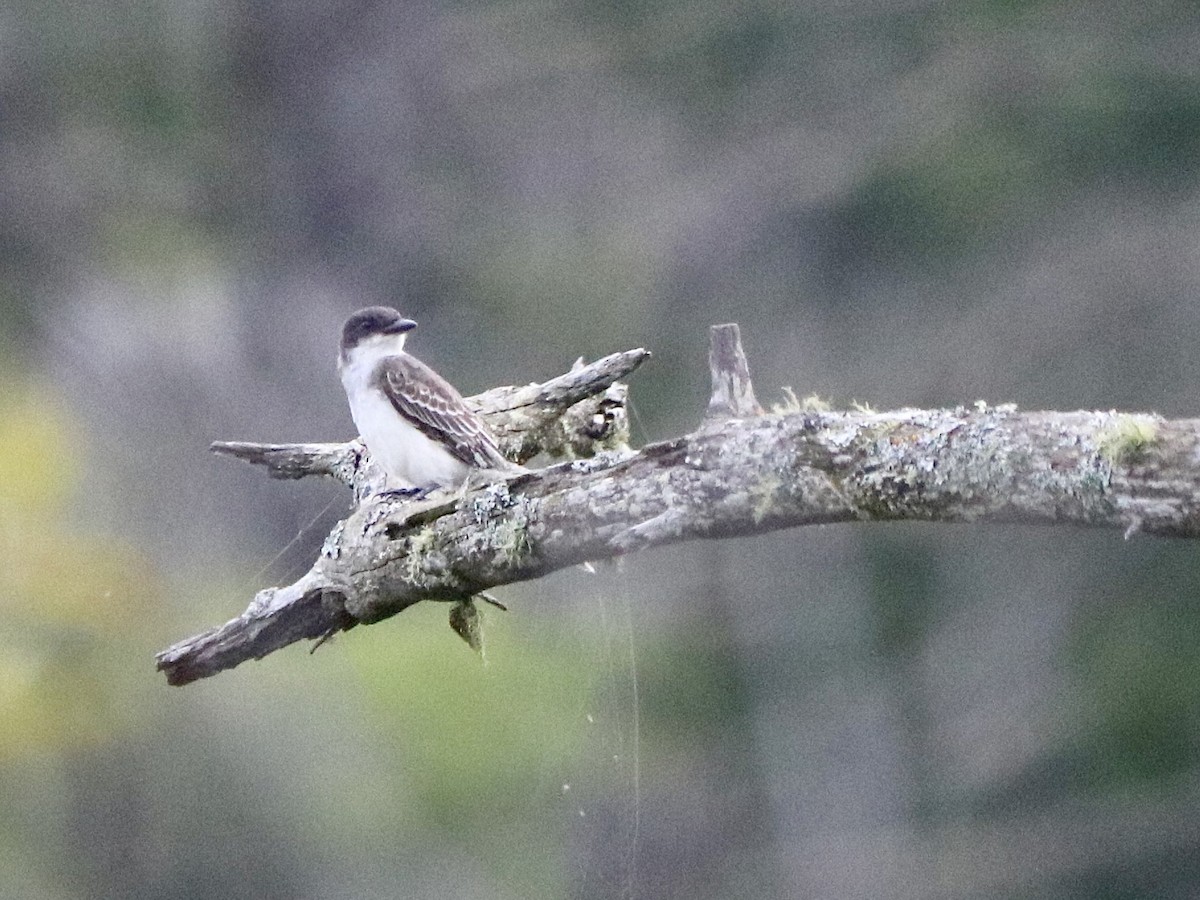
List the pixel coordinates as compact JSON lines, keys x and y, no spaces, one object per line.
{"x":912,"y":203}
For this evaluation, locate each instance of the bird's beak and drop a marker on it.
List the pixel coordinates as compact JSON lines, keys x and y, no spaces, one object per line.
{"x":400,"y":326}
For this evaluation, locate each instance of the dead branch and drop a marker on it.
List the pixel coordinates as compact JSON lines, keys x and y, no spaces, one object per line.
{"x":738,"y":475}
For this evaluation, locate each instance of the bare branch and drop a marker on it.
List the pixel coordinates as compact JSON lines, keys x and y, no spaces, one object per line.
{"x":738,"y":477}
{"x":296,"y":460}
{"x":577,"y":413}
{"x":276,"y":618}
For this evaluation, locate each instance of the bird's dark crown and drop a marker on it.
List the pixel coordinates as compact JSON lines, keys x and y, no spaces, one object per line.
{"x":372,"y":321}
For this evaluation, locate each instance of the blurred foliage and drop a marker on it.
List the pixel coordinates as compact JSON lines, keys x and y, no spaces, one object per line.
{"x":1018,"y":155}
{"x":1136,"y":679}
{"x":693,"y":688}
{"x":131,"y":100}
{"x":604,"y":269}
{"x":903,"y":571}
{"x":708,"y":57}
{"x":68,"y":600}
{"x":477,"y":735}
{"x":988,"y":157}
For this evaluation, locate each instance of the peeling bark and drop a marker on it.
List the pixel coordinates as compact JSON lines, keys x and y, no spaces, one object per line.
{"x":738,"y":475}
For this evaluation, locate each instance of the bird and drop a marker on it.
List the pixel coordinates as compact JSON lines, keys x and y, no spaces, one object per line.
{"x":415,"y":425}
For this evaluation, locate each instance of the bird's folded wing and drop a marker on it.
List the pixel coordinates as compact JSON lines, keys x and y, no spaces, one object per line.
{"x":431,"y":403}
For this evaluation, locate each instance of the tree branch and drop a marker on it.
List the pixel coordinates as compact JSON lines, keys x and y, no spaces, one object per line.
{"x":734,"y":476}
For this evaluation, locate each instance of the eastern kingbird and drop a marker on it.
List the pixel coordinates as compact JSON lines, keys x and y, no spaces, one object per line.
{"x":416,"y":425}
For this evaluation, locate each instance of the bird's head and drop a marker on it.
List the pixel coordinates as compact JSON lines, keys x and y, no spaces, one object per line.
{"x":377,"y":330}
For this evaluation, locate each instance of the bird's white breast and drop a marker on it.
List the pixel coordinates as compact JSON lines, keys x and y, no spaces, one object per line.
{"x":397,"y":446}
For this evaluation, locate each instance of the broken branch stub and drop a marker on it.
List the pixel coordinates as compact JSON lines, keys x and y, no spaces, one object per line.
{"x":732,"y":389}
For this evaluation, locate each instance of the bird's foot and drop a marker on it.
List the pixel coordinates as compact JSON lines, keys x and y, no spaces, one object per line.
{"x":405,"y":493}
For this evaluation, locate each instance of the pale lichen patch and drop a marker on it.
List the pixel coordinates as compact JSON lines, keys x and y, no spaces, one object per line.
{"x":419,"y":544}
{"x":332,"y":547}
{"x":511,"y":538}
{"x":1127,"y":438}
{"x":762,"y":495}
{"x":790,"y":403}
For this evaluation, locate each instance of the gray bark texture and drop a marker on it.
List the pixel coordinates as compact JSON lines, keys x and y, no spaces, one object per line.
{"x":741,"y":472}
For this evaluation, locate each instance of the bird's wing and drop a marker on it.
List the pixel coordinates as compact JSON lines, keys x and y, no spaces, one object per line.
{"x":431,"y":403}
